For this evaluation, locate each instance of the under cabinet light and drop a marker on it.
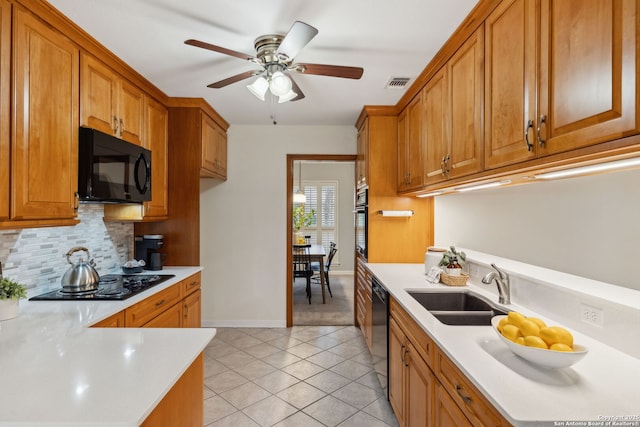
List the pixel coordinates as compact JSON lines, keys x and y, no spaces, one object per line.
{"x":483,"y":186}
{"x":585,"y":170}
{"x":396,"y":213}
{"x":431,"y":194}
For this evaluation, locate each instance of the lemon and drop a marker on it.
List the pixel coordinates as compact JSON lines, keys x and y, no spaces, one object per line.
{"x":503,"y":321}
{"x":520,"y":340}
{"x":534,"y":341}
{"x":529,"y":328}
{"x":511,"y":332}
{"x":515,"y":318}
{"x":538,"y":322}
{"x":556,"y":334}
{"x":560,"y":347}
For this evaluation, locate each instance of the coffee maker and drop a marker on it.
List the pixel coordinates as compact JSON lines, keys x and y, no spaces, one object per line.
{"x":147,"y":247}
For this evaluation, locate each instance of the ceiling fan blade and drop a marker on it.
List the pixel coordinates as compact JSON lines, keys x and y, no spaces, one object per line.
{"x":298,"y":36}
{"x":296,"y":89}
{"x":224,"y":50}
{"x":329,"y":70}
{"x":233,"y":79}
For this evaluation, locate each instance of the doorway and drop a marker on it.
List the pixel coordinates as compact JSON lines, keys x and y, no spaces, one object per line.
{"x":295,"y":163}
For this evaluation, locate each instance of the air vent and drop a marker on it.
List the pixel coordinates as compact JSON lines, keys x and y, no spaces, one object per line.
{"x":397,"y":82}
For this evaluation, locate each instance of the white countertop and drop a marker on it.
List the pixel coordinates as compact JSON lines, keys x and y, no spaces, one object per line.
{"x":56,"y":371}
{"x":603,"y":384}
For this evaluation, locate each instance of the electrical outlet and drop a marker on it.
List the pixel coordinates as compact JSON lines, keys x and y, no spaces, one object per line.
{"x":591,"y":315}
{"x":474,"y":270}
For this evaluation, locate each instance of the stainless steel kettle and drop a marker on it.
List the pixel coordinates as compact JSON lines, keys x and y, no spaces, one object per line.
{"x":82,"y":276}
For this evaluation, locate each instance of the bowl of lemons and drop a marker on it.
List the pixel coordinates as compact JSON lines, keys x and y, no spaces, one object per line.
{"x":531,"y":339}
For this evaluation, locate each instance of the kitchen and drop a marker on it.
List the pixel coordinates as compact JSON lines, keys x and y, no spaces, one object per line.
{"x":586,"y":249}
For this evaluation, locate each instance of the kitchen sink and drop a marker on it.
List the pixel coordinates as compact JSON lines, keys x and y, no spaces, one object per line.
{"x":457,"y":308}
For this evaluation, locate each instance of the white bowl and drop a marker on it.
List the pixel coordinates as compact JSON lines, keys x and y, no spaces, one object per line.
{"x":540,"y":356}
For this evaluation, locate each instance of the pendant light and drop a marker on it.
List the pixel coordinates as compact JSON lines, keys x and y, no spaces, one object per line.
{"x":299,"y":196}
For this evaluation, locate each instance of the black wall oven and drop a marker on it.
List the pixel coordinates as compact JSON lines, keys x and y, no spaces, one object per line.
{"x":361,"y":221}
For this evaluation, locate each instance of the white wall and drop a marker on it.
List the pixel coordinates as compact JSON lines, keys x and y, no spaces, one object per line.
{"x":344,"y":173}
{"x":243,"y":222}
{"x":587,"y":226}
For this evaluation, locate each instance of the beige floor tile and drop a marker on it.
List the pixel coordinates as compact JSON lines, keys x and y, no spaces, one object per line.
{"x":324,"y":342}
{"x":281,"y":359}
{"x":207,"y":392}
{"x":328,"y":381}
{"x":362,"y":419}
{"x":276,"y":381}
{"x":356,"y":395}
{"x":301,"y":395}
{"x":330,"y":411}
{"x":245,"y":341}
{"x":225,"y":381}
{"x":303,"y":369}
{"x":245,"y":395}
{"x":267,"y":334}
{"x":285,"y":342}
{"x":299,"y":419}
{"x":350,"y":369}
{"x":348,"y":349}
{"x":237,"y":419}
{"x":304,"y":350}
{"x":381,"y":409}
{"x":213,"y":367}
{"x":255,"y":369}
{"x":262,"y":350}
{"x":326,"y":359}
{"x":236,"y":360}
{"x":215,"y":408}
{"x":371,"y":380}
{"x":269,"y":411}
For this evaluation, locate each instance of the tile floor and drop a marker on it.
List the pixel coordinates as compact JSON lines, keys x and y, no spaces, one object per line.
{"x":286,"y":377}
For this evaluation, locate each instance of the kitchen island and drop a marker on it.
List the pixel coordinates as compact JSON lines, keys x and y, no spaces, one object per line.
{"x":58,"y":371}
{"x":602,"y":387}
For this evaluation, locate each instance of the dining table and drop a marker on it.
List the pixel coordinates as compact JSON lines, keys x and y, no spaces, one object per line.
{"x":317,"y":254}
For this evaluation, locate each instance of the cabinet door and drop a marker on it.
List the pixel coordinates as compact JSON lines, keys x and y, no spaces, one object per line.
{"x":99,"y":92}
{"x":362,"y":150}
{"x":45,"y":143}
{"x":170,"y":318}
{"x":397,"y":351}
{"x":209,"y":141}
{"x":446,"y":412}
{"x":114,"y":321}
{"x":131,"y":107}
{"x":510,"y":84}
{"x":5,"y":98}
{"x":466,"y":86}
{"x":221,"y":152}
{"x":156,"y":140}
{"x":191,"y":311}
{"x":588,"y":72}
{"x":410,"y":146}
{"x":436,"y":107}
{"x":419,"y":390}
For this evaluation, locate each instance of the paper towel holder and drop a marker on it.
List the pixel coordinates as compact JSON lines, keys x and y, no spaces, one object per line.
{"x":395,"y":213}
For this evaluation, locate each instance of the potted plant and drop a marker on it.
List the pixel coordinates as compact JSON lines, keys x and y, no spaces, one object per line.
{"x":301,"y":219}
{"x":10,"y":294}
{"x":451,"y":258}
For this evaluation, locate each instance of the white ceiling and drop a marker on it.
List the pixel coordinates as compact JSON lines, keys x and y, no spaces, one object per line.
{"x":386,"y":38}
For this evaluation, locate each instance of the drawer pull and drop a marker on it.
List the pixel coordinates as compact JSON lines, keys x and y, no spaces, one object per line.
{"x":159,"y":303}
{"x":466,"y":399}
{"x":192,"y":284}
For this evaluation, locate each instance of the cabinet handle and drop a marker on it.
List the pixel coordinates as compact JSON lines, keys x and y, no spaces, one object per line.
{"x":447,"y":166}
{"x":466,"y":399}
{"x":159,"y":303}
{"x":406,"y":361}
{"x":402,"y":353}
{"x":442,"y":166}
{"x":543,"y":119}
{"x":194,"y":283}
{"x":186,"y":311}
{"x":121,"y":126}
{"x":526,"y":135}
{"x":115,"y":125}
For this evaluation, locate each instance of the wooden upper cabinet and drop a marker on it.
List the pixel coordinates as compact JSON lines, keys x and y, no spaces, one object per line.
{"x":410,"y":145}
{"x":436,"y":105}
{"x":214,"y":149}
{"x":466,"y":98}
{"x":44,"y":152}
{"x":510,"y":83}
{"x":5,"y":103}
{"x":588,"y":72}
{"x":109,"y":103}
{"x":156,"y":140}
{"x":362,"y":154}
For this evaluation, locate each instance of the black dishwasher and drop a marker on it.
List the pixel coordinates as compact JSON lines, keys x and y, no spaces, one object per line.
{"x":380,"y":333}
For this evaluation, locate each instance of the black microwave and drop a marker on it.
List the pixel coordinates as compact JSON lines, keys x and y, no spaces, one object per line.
{"x":112,"y":170}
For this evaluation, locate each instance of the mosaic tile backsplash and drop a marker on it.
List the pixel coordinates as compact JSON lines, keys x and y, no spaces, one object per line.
{"x":36,"y":256}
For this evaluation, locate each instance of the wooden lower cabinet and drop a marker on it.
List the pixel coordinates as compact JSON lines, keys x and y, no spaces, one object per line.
{"x":183,"y":405}
{"x":191,"y":312}
{"x":364,"y":302}
{"x":425,"y":387}
{"x":170,"y":318}
{"x":114,"y":321}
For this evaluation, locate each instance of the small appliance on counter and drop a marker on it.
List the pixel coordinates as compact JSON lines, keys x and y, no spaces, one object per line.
{"x":147,"y":248}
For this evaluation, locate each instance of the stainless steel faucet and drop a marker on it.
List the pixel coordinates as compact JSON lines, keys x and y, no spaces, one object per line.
{"x":502,"y":280}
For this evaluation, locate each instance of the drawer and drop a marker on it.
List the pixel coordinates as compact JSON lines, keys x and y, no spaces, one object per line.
{"x":191,"y":284}
{"x":418,"y":337}
{"x":475,"y":406}
{"x":142,"y":312}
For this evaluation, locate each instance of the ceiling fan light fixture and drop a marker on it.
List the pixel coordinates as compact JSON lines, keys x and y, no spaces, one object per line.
{"x":259,"y":88}
{"x":280,"y":84}
{"x":287,"y":96}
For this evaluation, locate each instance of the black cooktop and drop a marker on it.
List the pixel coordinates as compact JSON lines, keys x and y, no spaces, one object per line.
{"x":112,"y":287}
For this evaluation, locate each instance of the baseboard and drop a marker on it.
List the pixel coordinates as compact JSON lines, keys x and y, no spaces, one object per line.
{"x":244,"y":323}
{"x":340,"y":273}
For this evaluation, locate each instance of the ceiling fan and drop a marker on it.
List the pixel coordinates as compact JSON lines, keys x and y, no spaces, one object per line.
{"x":275,"y":54}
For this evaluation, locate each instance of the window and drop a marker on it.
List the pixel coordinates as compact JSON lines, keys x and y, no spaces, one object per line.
{"x":322,"y":196}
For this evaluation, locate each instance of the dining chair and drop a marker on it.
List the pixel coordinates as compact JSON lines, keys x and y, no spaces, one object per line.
{"x":315,"y":267}
{"x":302,"y":265}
